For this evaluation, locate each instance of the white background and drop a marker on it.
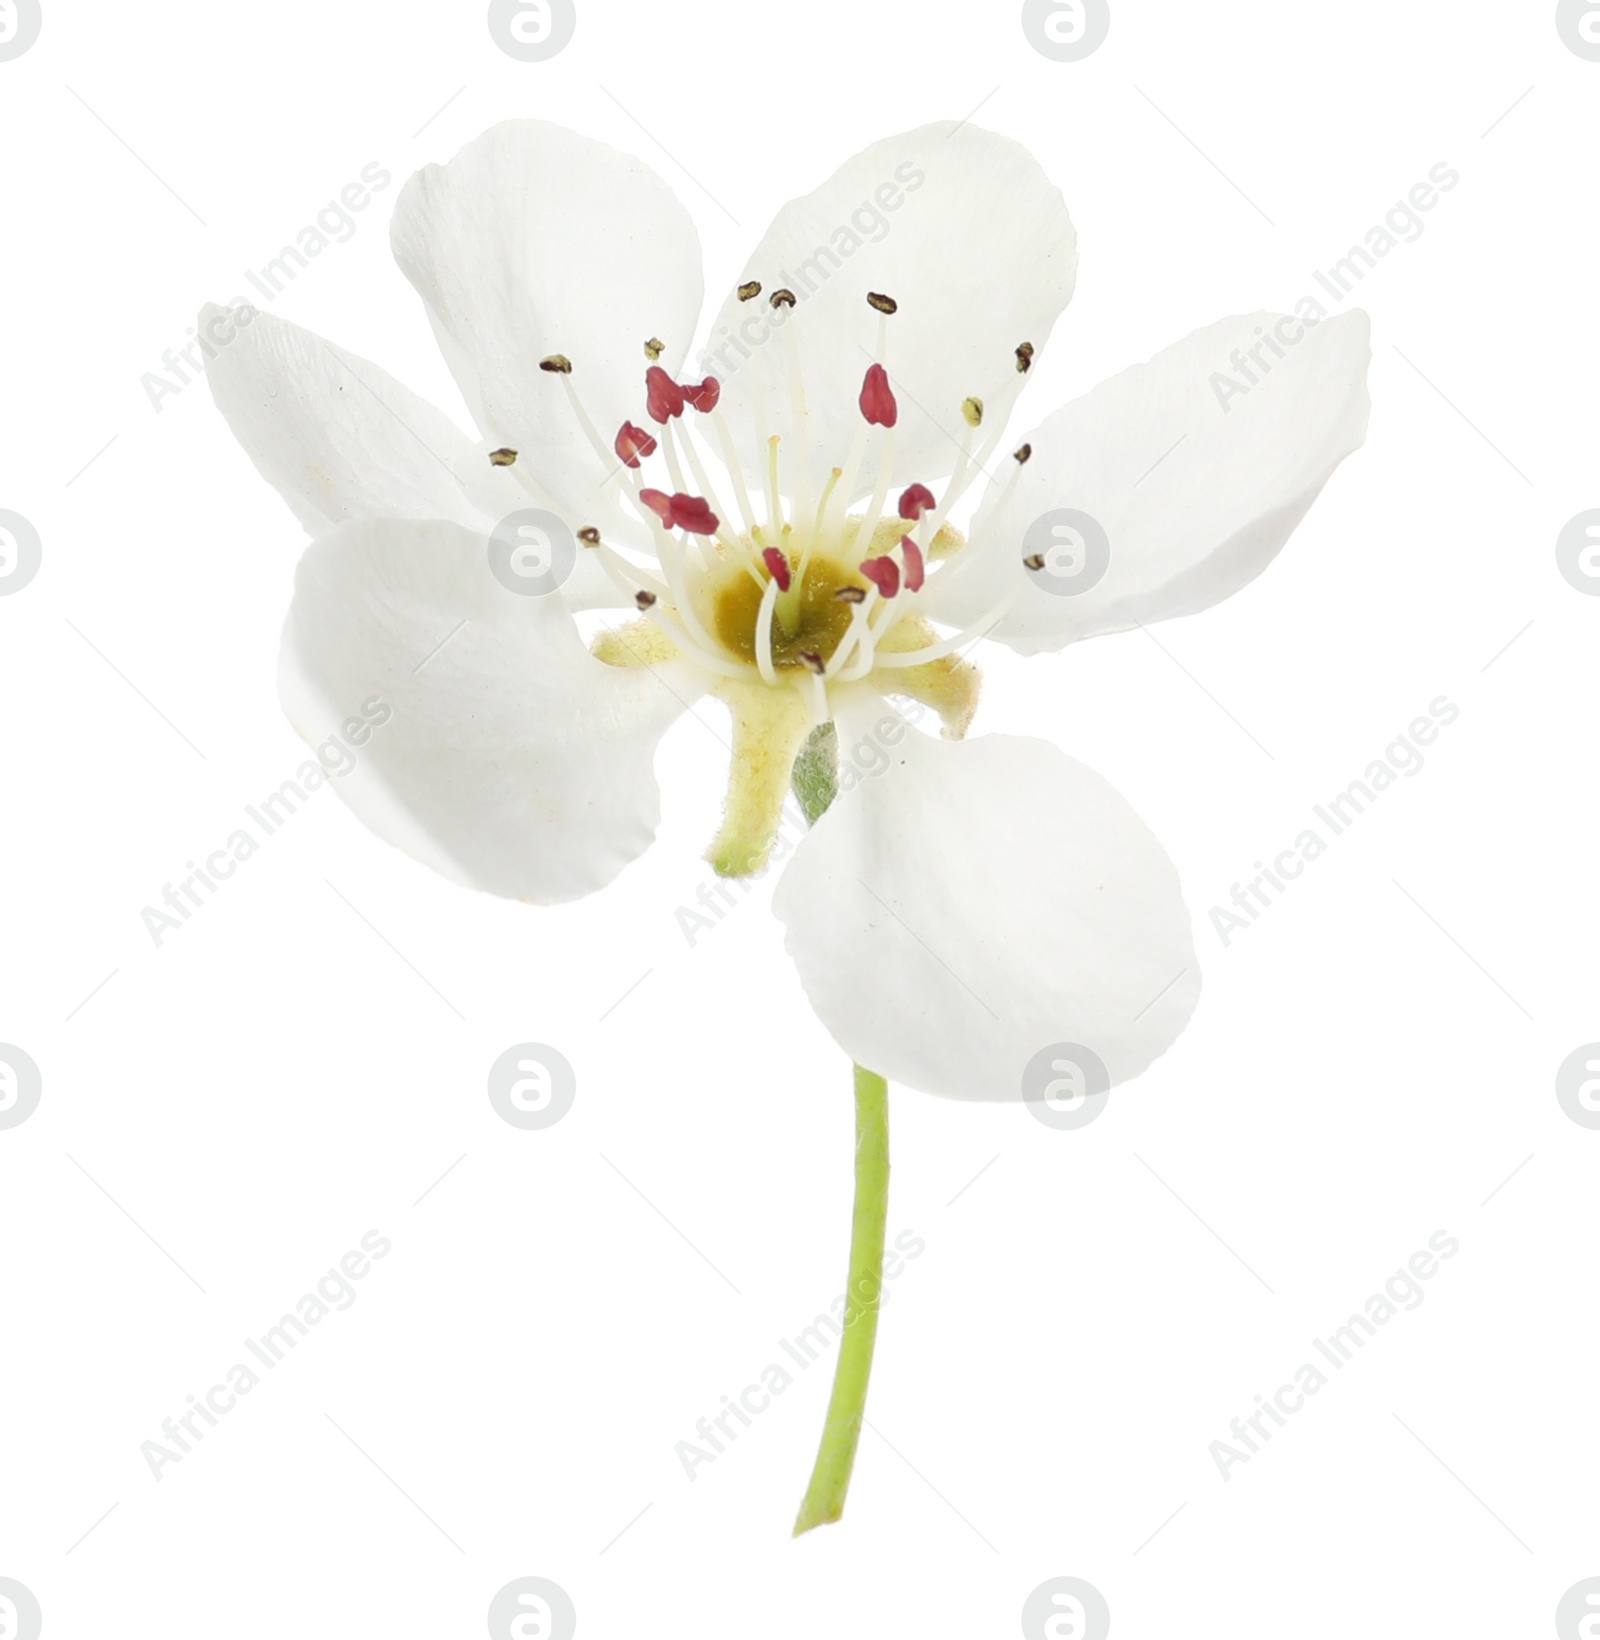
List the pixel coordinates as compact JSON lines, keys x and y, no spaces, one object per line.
{"x":226,"y":1115}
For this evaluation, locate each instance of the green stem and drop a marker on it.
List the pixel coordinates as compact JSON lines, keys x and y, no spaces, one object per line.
{"x":841,"y":1433}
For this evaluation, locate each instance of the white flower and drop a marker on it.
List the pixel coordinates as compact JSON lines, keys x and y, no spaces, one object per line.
{"x":980,"y":899}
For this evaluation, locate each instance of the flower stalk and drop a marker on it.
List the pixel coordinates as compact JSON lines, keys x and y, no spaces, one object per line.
{"x":815,"y":780}
{"x":841,"y":1431}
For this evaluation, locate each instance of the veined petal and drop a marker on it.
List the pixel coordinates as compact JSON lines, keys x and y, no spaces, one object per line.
{"x":511,"y":759}
{"x":532,"y":242}
{"x":341,"y":440}
{"x":979,"y":902}
{"x":965,"y":233}
{"x":1193,"y":468}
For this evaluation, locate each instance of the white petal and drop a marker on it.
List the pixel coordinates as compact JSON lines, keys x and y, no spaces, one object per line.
{"x":341,"y":440}
{"x":979,"y":902}
{"x":511,"y":759}
{"x":1195,"y":488}
{"x":965,"y":232}
{"x":534,"y":241}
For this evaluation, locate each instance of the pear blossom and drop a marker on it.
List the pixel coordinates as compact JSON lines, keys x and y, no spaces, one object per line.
{"x":775,"y":528}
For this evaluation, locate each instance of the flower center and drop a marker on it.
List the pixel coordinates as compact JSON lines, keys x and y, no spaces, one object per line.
{"x":805,"y":596}
{"x":802,"y":634}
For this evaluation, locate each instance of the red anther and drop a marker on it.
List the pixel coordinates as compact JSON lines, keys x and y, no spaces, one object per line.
{"x":633,"y":442}
{"x":693,"y":513}
{"x":682,"y":512}
{"x":884,"y":574}
{"x":659,"y":502}
{"x":915,"y":568}
{"x":704,"y":397}
{"x":664,"y":396}
{"x":877,"y":402}
{"x":777,"y":567}
{"x":915,"y":502}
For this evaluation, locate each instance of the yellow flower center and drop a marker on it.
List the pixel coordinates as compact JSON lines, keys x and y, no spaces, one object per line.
{"x":810,"y":624}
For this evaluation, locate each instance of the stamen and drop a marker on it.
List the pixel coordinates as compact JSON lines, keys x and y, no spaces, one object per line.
{"x":730,"y":459}
{"x":853,"y":655}
{"x":877,"y":398}
{"x":627,"y":576}
{"x":774,"y":505}
{"x":881,"y":616}
{"x":864,"y":533}
{"x":694,"y":514}
{"x":502,"y":458}
{"x":968,"y":466}
{"x":819,"y":699}
{"x":916,"y":567}
{"x":884,"y":573}
{"x":769,"y":478}
{"x":858,"y":445}
{"x":671,"y":552}
{"x":729,"y":540}
{"x":633,"y":442}
{"x":915,"y":501}
{"x":750,"y":289}
{"x":928,"y":524}
{"x":769,"y":602}
{"x":824,"y":505}
{"x":857,"y":633}
{"x":1020,"y":457}
{"x":948,"y":646}
{"x":592,"y":433}
{"x":880,"y":493}
{"x":800,"y":456}
{"x":664,"y":398}
{"x":843,"y":487}
{"x":682,"y":512}
{"x":777,"y":565}
{"x":658,"y":511}
{"x":674,"y":466}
